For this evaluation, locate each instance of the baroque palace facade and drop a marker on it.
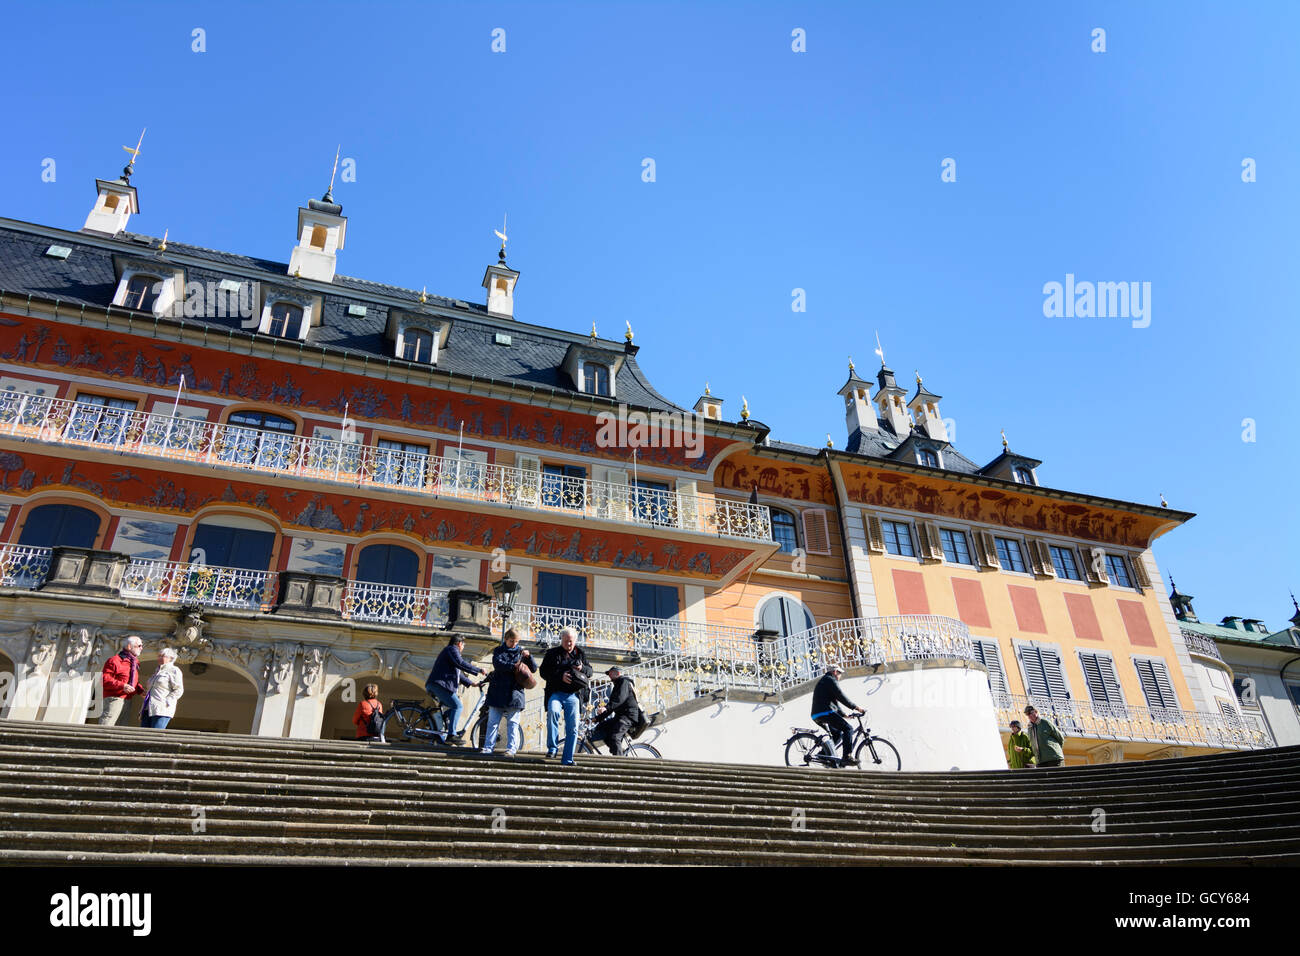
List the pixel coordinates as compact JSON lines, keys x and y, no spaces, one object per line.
{"x":296,"y":477}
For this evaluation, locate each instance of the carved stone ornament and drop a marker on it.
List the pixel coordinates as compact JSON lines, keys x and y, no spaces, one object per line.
{"x":279,"y":665}
{"x":313,"y":659}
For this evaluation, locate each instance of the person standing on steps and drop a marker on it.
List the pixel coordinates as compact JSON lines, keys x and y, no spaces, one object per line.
{"x":121,"y":680}
{"x":446,"y":678}
{"x":369,"y":713}
{"x":1019,"y":751}
{"x":567,"y":675}
{"x":505,"y":696}
{"x":164,"y":689}
{"x":1045,"y":740}
{"x":826,"y":697}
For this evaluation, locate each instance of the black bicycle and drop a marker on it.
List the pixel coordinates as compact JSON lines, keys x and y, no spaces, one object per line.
{"x":816,"y":748}
{"x":409,"y":720}
{"x":587,"y":745}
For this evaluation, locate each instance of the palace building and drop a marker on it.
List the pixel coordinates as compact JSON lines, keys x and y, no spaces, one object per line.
{"x":300,"y":479}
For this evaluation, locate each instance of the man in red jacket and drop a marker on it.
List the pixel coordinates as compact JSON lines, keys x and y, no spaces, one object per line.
{"x":121,"y":680}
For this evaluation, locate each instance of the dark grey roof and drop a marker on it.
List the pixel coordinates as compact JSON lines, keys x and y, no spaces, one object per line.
{"x":885,"y":444}
{"x":534,"y":357}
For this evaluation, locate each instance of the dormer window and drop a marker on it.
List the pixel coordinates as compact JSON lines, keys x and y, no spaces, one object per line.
{"x":1023,"y":475}
{"x":417,"y":345}
{"x":595,"y":378}
{"x":928,"y":458}
{"x":142,"y":292}
{"x":286,"y":320}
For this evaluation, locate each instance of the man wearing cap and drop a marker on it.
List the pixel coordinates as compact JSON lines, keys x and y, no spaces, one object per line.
{"x":826,"y":696}
{"x":619,"y":714}
{"x":1045,"y":740}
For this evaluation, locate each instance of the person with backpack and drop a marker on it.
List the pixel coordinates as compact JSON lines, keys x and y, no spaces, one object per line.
{"x":567,"y":675}
{"x":505,"y":696}
{"x":619,"y":715}
{"x":446,"y":678}
{"x":369,"y":715}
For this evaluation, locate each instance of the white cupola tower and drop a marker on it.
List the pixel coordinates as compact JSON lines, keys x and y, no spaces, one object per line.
{"x":116,"y":201}
{"x":499,"y":280}
{"x":924,"y":406}
{"x":322,"y":229}
{"x":859,"y":413}
{"x":889,"y":402}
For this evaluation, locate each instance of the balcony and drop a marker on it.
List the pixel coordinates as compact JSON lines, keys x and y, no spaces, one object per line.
{"x":162,"y":437}
{"x":1201,"y":645}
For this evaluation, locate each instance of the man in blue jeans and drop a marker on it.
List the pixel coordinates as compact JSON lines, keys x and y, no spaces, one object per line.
{"x":567,"y":674}
{"x":445,"y":680}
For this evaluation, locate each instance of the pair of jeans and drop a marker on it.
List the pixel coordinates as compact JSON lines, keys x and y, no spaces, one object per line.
{"x":568,"y":705}
{"x":158,"y":723}
{"x":514,"y":733}
{"x":452,"y":701}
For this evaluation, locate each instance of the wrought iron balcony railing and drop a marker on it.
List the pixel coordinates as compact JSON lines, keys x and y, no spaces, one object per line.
{"x":394,"y":604}
{"x":65,"y":422}
{"x":22,"y":566}
{"x":210,"y":586}
{"x":1200,"y":644}
{"x":645,"y":635}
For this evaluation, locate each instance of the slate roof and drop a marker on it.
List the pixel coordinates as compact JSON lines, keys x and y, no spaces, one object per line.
{"x":1218,"y":632}
{"x":534,"y":357}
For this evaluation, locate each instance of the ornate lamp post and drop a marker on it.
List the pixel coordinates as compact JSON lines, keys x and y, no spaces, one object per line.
{"x":505,"y":590}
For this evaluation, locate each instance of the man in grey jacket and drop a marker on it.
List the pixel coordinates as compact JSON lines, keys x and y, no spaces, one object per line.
{"x":1045,"y":740}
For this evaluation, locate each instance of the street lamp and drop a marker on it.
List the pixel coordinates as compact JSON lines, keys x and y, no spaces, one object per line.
{"x":505,"y":589}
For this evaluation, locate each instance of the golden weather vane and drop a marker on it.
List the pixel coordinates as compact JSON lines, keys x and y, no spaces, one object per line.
{"x":880,"y":351}
{"x":501,"y":234}
{"x":135,"y":153}
{"x":329,"y":193}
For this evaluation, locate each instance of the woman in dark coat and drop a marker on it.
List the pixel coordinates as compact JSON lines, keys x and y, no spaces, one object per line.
{"x":505,"y":698}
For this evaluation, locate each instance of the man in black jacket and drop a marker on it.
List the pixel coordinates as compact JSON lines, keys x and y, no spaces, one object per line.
{"x":620,"y":713}
{"x":567,"y":673}
{"x":826,"y":696}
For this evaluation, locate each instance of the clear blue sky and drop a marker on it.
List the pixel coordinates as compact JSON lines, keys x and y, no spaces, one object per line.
{"x":775,"y":170}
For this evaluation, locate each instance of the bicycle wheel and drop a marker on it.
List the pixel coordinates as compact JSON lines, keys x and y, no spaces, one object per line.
{"x":585,"y":746}
{"x":401,"y":721}
{"x":878,"y":754}
{"x":479,"y":733}
{"x":642,"y":750}
{"x":802,"y":748}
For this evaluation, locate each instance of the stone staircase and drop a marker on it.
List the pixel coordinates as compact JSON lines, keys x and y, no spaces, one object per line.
{"x":90,"y":794}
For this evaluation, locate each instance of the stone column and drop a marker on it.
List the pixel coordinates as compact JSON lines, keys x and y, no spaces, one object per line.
{"x":309,"y":696}
{"x":276,"y":700}
{"x":34,"y":666}
{"x":73,"y":686}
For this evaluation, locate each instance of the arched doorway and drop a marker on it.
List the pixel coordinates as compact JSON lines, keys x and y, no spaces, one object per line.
{"x":8,"y":683}
{"x":218,"y":700}
{"x":342,"y":702}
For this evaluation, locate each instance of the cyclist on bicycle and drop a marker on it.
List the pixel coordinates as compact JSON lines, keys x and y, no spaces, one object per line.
{"x":446,"y":678}
{"x":619,"y":714}
{"x":826,"y":697}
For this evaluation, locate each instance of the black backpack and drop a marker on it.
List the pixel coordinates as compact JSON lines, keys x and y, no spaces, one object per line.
{"x":374,"y":724}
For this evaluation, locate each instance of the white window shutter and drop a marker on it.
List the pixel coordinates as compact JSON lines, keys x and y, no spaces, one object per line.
{"x":816,"y":531}
{"x":617,"y":504}
{"x":688,"y":506}
{"x":529,"y":490}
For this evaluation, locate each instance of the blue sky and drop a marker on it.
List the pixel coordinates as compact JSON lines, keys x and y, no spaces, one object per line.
{"x":775,"y":171}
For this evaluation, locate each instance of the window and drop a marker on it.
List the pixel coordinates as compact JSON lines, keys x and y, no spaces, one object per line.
{"x":1010,"y":554}
{"x":1103,"y":685}
{"x":929,"y":458}
{"x":400,"y":463}
{"x":1044,"y":679}
{"x":898,"y":538}
{"x":388,"y":564}
{"x":98,"y":418}
{"x":1294,"y":691}
{"x":142,"y":292}
{"x":567,"y":591}
{"x":1023,"y":475}
{"x":660,"y":602}
{"x":48,"y":526}
{"x":417,"y":345}
{"x":1067,"y":569}
{"x":258,"y":438}
{"x":595,"y":378}
{"x":1118,"y":569}
{"x":987,"y":653}
{"x":318,"y":234}
{"x":563,"y":486}
{"x":286,"y":320}
{"x":1239,"y":688}
{"x":654,"y":503}
{"x":231,"y":547}
{"x":783,"y":532}
{"x":956,"y":549}
{"x":1156,"y":687}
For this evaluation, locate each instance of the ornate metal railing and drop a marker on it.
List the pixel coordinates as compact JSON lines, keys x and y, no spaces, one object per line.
{"x":1200,"y":644}
{"x":202,"y":584}
{"x":22,"y":566}
{"x":212,"y":443}
{"x":394,"y":604}
{"x":1137,"y":724}
{"x":644,"y":635}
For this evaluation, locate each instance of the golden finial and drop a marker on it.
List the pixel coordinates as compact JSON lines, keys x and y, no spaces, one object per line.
{"x":707,"y":393}
{"x":297,"y":273}
{"x":1005,"y":446}
{"x":880,"y":351}
{"x":829,"y":443}
{"x":851,"y":368}
{"x":744,"y":408}
{"x":135,"y":153}
{"x":628,"y":334}
{"x":162,"y":246}
{"x":593,"y":331}
{"x":424,"y":294}
{"x":329,"y":193}
{"x":918,"y":377}
{"x":1163,"y":503}
{"x":501,"y":234}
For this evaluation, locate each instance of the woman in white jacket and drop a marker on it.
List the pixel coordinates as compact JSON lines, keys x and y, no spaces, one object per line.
{"x":164,"y":690}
